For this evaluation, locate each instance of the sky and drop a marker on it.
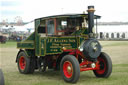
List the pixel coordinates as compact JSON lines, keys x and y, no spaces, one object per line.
{"x":110,"y":10}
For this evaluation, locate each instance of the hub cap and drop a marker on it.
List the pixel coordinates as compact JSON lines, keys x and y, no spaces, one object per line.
{"x":22,"y":63}
{"x":67,"y":69}
{"x":102,"y":66}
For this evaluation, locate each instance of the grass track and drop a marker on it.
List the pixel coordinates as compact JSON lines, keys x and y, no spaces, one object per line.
{"x":8,"y":44}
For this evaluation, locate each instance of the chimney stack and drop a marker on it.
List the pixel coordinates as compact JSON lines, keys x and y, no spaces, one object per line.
{"x":90,"y":11}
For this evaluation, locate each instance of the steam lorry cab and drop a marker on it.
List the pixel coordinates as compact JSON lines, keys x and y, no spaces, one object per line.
{"x":66,"y":43}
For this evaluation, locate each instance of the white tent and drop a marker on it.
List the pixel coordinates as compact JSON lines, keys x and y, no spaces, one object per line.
{"x":29,"y":26}
{"x":116,"y":30}
{"x":113,"y":28}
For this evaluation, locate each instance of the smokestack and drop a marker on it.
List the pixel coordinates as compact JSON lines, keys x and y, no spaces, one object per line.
{"x":90,"y":11}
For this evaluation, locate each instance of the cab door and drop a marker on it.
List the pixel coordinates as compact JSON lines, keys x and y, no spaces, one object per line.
{"x":40,"y":37}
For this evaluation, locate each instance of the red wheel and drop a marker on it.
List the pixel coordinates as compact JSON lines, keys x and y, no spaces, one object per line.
{"x":69,"y":68}
{"x":105,"y":66}
{"x":25,"y":64}
{"x":102,"y":66}
{"x":22,"y":63}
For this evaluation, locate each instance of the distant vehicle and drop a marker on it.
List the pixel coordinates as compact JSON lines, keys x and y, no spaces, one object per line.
{"x":15,"y":38}
{"x":66,"y":43}
{"x":3,"y":39}
{"x":1,"y":78}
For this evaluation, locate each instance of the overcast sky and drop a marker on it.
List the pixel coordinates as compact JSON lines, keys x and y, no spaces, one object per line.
{"x":110,"y":10}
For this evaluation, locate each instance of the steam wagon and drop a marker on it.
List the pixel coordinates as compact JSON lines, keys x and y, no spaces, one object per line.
{"x":66,"y":43}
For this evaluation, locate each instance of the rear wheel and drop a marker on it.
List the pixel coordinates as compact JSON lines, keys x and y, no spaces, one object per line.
{"x":25,"y":64}
{"x":69,"y":68}
{"x":105,"y":66}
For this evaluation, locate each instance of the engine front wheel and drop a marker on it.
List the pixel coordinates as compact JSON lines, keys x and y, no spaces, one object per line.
{"x":69,"y":68}
{"x":105,"y":66}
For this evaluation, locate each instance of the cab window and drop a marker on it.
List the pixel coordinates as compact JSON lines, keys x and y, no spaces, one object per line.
{"x":66,"y":26}
{"x":41,"y":28}
{"x":50,"y":27}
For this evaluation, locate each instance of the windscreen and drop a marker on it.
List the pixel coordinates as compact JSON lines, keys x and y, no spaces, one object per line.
{"x":66,"y":26}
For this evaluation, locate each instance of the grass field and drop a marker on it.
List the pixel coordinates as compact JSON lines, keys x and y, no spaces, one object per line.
{"x":118,"y":50}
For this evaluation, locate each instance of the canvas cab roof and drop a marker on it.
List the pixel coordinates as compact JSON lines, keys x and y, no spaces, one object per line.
{"x":69,"y":16}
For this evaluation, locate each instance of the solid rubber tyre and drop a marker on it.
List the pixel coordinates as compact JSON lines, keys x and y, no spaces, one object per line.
{"x":25,"y":64}
{"x":71,"y":75}
{"x":1,"y":78}
{"x":105,"y":66}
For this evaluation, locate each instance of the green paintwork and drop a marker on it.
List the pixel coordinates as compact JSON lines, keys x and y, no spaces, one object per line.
{"x":54,"y":44}
{"x":43,"y":46}
{"x":51,"y":45}
{"x":27,"y":44}
{"x":31,"y":37}
{"x":37,"y":38}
